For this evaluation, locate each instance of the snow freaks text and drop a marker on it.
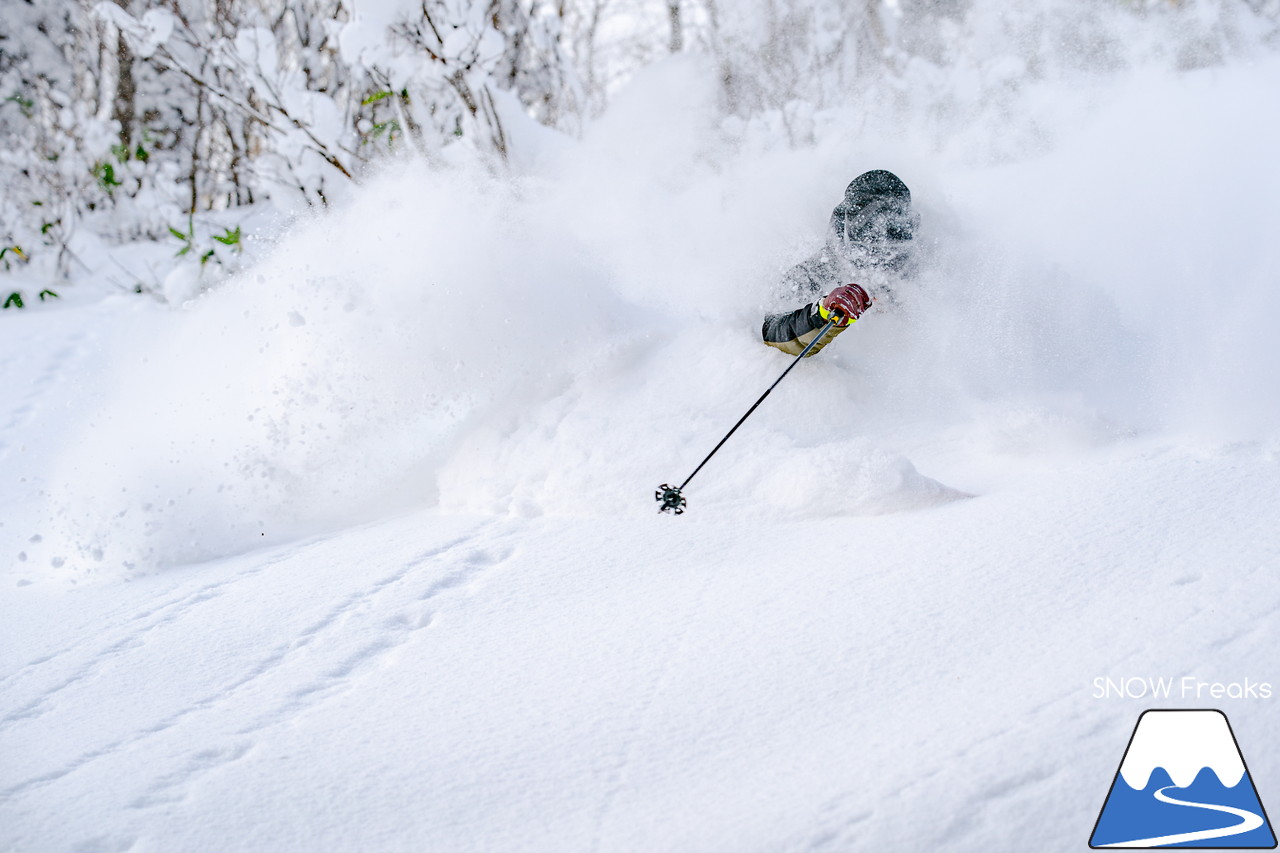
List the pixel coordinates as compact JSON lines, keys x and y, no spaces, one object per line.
{"x":1185,"y":687}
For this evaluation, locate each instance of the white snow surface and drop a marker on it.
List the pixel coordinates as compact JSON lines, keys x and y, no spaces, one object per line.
{"x":1183,"y":743}
{"x":357,"y":552}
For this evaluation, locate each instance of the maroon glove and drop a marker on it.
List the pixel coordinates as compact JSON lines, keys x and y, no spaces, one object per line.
{"x":846,"y":304}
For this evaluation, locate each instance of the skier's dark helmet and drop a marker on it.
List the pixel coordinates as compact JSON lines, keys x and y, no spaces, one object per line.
{"x":874,"y":224}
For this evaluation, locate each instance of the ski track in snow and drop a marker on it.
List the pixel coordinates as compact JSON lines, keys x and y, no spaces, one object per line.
{"x":419,"y":602}
{"x":62,"y":363}
{"x":838,"y":822}
{"x":166,"y":613}
{"x":616,"y":780}
{"x":1020,"y":784}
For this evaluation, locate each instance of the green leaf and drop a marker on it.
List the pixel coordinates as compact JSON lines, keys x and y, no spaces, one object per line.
{"x":14,"y":300}
{"x":183,"y":251}
{"x":175,"y":232}
{"x":25,"y":104}
{"x":204,"y":259}
{"x":377,"y":96}
{"x":48,"y":293}
{"x":391,"y":128}
{"x":106,"y":175}
{"x":231,"y":238}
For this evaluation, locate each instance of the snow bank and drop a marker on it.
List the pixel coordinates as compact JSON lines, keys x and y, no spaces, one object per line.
{"x":564,"y":339}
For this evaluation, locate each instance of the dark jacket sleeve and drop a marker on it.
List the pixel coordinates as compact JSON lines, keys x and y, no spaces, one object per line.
{"x":781,"y":328}
{"x":793,"y":331}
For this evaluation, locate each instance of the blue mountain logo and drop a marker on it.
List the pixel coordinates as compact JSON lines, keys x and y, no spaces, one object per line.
{"x":1183,"y":783}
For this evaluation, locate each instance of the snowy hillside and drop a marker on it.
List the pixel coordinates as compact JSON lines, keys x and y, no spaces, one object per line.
{"x":357,"y":551}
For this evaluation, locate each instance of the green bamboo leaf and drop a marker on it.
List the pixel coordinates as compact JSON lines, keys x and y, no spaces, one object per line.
{"x":231,"y":238}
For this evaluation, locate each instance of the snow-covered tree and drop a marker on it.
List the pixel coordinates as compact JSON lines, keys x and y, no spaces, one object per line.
{"x":158,"y":119}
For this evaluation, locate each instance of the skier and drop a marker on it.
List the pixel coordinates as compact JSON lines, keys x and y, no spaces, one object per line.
{"x":869,"y":238}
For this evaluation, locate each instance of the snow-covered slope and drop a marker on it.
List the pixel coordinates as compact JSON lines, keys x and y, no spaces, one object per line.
{"x":358,"y":552}
{"x":470,"y":683}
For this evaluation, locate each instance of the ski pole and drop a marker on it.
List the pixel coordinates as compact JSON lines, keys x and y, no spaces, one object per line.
{"x":670,"y":496}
